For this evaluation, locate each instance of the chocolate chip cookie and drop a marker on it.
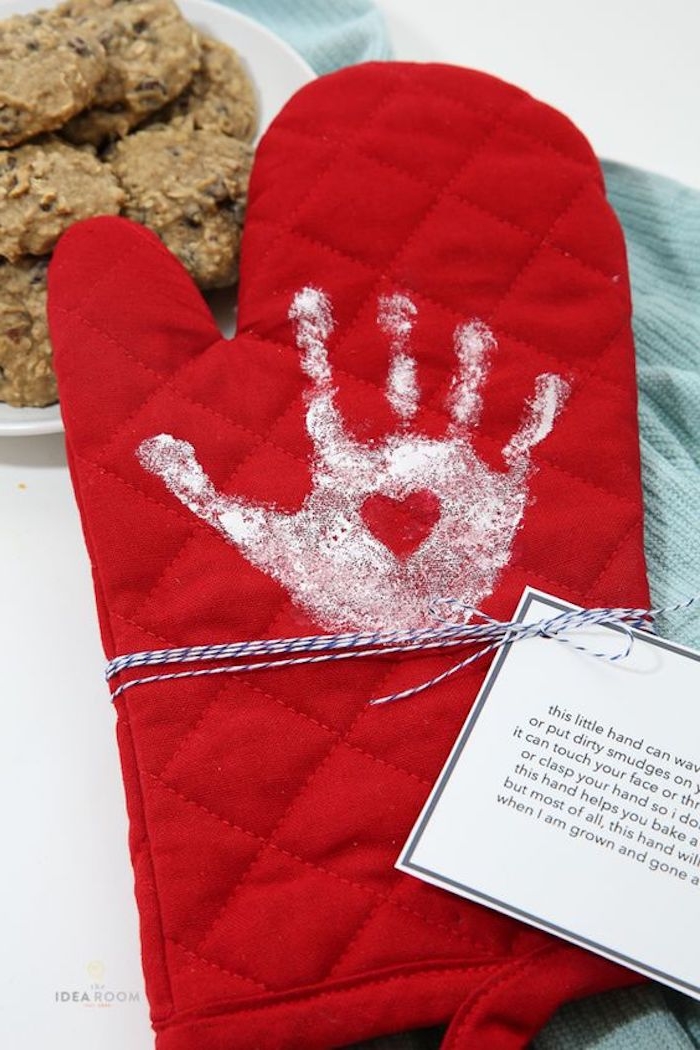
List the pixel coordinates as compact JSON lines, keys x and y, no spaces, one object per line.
{"x":49,"y":70}
{"x":45,"y":186}
{"x":189,"y":186}
{"x":221,"y":96}
{"x":152,"y":54}
{"x":26,"y":372}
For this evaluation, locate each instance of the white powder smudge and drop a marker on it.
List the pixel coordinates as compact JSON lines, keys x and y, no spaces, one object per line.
{"x":472,"y":342}
{"x":395,"y":317}
{"x":311,"y":309}
{"x":402,"y":386}
{"x":324,"y":555}
{"x":551,"y":392}
{"x":174,"y":461}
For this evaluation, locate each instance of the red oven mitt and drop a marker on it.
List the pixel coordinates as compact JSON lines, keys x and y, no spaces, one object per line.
{"x":432,"y":393}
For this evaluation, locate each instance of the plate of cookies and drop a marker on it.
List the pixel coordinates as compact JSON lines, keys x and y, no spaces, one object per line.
{"x":145,"y":108}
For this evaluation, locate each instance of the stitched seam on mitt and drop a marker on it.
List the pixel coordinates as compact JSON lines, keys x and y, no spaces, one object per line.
{"x":349,"y":985}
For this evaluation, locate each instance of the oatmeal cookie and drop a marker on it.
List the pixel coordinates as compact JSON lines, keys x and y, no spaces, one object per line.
{"x":100,"y":125}
{"x":45,"y":186}
{"x":26,"y":372}
{"x":190,"y":187}
{"x":49,"y":70}
{"x":221,"y":96}
{"x":152,"y":54}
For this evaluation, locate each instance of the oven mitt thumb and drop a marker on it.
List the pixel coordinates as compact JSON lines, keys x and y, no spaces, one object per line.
{"x":432,"y":393}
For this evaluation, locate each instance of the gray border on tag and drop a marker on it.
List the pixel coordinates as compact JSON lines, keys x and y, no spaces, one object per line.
{"x":527,"y":599}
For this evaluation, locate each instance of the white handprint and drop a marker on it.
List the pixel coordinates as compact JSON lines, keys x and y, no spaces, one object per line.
{"x":325,"y":554}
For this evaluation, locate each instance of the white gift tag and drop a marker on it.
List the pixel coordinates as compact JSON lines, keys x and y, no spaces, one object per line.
{"x":571,"y":799}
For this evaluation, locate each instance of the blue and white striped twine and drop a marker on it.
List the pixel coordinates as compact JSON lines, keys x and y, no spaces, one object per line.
{"x":359,"y":645}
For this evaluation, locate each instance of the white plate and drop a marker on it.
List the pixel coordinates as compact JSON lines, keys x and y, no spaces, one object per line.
{"x":277,"y":71}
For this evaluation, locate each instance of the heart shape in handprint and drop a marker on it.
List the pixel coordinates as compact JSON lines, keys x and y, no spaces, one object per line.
{"x":401,"y":524}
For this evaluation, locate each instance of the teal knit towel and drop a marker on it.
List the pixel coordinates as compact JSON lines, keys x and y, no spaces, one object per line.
{"x":633,"y":1019}
{"x":328,"y":33}
{"x":661,"y":220}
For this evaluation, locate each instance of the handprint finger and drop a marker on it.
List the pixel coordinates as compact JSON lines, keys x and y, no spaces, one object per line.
{"x":313,"y":321}
{"x":311,"y":312}
{"x":175,"y":463}
{"x":551,"y":392}
{"x":395,"y":314}
{"x":472,"y":342}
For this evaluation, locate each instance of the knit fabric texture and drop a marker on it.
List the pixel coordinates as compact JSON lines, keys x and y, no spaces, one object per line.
{"x":328,"y":35}
{"x":661,"y":221}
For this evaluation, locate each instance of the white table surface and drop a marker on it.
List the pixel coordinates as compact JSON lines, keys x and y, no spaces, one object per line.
{"x":627,"y":73}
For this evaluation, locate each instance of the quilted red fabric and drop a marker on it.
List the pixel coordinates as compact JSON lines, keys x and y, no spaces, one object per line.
{"x":267,"y":810}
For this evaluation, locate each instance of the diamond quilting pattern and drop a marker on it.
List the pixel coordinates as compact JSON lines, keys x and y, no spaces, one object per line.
{"x":235,"y":775}
{"x":190,"y":971}
{"x":180,"y":830}
{"x":554,"y":307}
{"x":362,"y":820}
{"x":410,"y":119}
{"x":259,"y":913}
{"x":517,"y":181}
{"x":465,"y":235}
{"x":367,"y":195}
{"x":270,"y":809}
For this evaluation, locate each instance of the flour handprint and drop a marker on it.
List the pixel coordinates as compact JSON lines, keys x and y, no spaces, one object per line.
{"x":327,"y":554}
